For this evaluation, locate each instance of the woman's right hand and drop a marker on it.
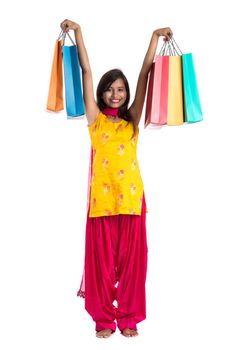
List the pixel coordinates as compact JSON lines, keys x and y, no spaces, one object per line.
{"x":67,"y":25}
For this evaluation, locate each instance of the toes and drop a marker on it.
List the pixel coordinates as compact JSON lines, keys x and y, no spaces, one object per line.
{"x":99,"y":334}
{"x":127,"y":332}
{"x":134,"y":333}
{"x":105,"y":333}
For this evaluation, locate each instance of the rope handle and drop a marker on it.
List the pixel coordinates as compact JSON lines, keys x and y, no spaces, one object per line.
{"x":171,"y":48}
{"x":63,"y":36}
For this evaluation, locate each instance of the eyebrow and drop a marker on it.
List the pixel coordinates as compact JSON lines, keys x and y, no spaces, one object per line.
{"x":122,"y":87}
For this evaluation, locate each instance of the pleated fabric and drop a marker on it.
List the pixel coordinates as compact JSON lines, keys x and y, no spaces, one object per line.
{"x":115,"y":269}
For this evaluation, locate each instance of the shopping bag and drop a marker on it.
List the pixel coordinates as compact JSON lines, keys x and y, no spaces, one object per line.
{"x":157,"y":96}
{"x":181,"y":98}
{"x":175,"y":113}
{"x":164,"y":103}
{"x":192,"y":104}
{"x":55,"y":95}
{"x":72,"y":79}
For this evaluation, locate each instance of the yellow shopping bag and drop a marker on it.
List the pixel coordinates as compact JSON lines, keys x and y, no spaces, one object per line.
{"x":175,"y":115}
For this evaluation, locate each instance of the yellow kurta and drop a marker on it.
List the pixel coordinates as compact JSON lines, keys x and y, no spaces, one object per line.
{"x":116,"y":183}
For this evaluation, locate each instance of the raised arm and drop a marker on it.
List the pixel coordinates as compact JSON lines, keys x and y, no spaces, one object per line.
{"x":91,"y":108}
{"x":138,"y":103}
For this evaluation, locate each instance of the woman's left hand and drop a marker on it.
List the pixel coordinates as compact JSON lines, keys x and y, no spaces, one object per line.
{"x":167,"y":32}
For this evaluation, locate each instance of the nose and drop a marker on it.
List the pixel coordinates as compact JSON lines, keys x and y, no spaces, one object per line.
{"x":114,"y":93}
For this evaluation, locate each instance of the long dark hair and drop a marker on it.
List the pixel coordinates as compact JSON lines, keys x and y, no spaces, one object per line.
{"x":105,"y":82}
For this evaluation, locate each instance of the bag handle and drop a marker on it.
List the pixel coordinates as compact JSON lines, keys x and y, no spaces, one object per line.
{"x":63,"y":36}
{"x":175,"y":46}
{"x":170,"y":47}
{"x":60,"y":35}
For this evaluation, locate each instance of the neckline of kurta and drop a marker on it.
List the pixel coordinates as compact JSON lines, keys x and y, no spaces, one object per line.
{"x":121,"y":121}
{"x":106,"y":118}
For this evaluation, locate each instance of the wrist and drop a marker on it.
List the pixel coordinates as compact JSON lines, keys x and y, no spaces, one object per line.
{"x":156,"y":33}
{"x":77,"y":28}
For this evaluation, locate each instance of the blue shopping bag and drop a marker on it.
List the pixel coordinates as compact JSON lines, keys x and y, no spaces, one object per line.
{"x":72,"y":79}
{"x":192,"y":104}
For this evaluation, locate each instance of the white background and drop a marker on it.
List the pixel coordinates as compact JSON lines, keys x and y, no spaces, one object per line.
{"x":187,"y":172}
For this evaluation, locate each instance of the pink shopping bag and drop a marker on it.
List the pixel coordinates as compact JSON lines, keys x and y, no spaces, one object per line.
{"x":157,"y":94}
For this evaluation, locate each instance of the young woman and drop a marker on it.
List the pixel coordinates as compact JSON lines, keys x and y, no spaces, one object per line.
{"x":116,"y":242}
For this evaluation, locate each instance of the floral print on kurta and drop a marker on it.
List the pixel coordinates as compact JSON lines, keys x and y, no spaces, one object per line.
{"x":116,"y":184}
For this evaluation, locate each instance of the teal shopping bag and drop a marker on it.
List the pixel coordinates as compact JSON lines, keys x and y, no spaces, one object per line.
{"x":72,"y":80}
{"x":192,"y":104}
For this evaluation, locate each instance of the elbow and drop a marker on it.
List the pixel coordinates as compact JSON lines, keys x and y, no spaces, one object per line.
{"x":86,"y":70}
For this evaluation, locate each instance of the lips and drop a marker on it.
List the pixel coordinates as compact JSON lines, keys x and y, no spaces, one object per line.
{"x":115,"y":101}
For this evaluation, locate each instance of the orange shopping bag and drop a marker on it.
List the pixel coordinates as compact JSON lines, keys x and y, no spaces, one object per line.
{"x":55,"y":95}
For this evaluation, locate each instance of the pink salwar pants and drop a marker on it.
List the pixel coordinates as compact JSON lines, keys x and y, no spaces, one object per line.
{"x":115,"y":269}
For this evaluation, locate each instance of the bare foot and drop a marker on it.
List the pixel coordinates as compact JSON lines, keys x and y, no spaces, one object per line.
{"x":104,"y":333}
{"x":127,"y":332}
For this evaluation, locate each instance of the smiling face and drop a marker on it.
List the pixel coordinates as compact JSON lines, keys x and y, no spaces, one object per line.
{"x":116,"y":94}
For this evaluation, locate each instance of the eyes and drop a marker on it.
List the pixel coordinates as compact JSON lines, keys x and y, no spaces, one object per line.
{"x":119,"y":89}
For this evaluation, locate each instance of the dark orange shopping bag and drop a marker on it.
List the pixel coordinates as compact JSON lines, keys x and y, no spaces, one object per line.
{"x":55,"y":95}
